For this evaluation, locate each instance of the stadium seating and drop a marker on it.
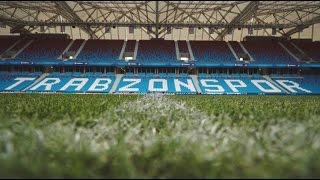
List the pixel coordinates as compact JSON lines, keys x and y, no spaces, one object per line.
{"x":159,"y":53}
{"x":308,"y":84}
{"x":206,"y":52}
{"x":101,"y":51}
{"x":76,"y":45}
{"x":236,"y":84}
{"x":183,"y":47}
{"x":8,"y":80}
{"x":268,"y":52}
{"x":6,"y":42}
{"x":311,"y":82}
{"x":150,"y":83}
{"x":130,"y":45}
{"x":236,"y":47}
{"x":43,"y":51}
{"x":74,"y":82}
{"x":221,"y":83}
{"x":310,"y":48}
{"x":290,"y":47}
{"x":156,"y":51}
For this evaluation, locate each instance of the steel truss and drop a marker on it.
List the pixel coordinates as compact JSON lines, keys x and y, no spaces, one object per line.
{"x":91,"y":17}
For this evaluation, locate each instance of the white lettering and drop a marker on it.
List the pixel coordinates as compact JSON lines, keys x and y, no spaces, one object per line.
{"x":204,"y":83}
{"x":128,"y":88}
{"x":164,"y":85}
{"x":102,"y":87}
{"x":78,"y":86}
{"x":234,"y":87}
{"x":188,"y":85}
{"x":291,"y":86}
{"x":45,"y":83}
{"x":19,"y":81}
{"x":273,"y":89}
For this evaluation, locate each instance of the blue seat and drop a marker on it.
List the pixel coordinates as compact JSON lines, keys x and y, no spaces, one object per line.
{"x":183,"y":75}
{"x":129,"y":74}
{"x":202,"y":75}
{"x":110,"y":74}
{"x":171,"y":75}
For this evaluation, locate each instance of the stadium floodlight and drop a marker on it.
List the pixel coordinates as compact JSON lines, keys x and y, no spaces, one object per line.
{"x":300,"y":28}
{"x":107,"y":29}
{"x":42,"y":29}
{"x":191,"y":30}
{"x":2,"y":25}
{"x":241,"y":59}
{"x":211,"y":31}
{"x":149,"y":28}
{"x":274,"y":31}
{"x":70,"y":57}
{"x":62,"y":29}
{"x":131,"y":29}
{"x":250,"y":31}
{"x":169,"y":30}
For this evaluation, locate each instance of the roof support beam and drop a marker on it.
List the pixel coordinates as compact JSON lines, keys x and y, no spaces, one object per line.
{"x":145,"y":24}
{"x":244,"y":16}
{"x":157,"y":19}
{"x":303,"y":25}
{"x":189,"y":14}
{"x":68,"y":13}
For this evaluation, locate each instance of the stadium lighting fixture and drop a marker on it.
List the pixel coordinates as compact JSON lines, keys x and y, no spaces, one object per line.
{"x":107,"y":29}
{"x":70,"y":57}
{"x":241,"y":59}
{"x":211,"y":31}
{"x":169,"y":30}
{"x":191,"y":30}
{"x":274,"y":32}
{"x":131,"y":29}
{"x":2,"y":25}
{"x":62,"y":29}
{"x":42,"y":29}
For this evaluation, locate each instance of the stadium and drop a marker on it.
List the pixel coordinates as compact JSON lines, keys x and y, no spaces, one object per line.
{"x":159,"y":89}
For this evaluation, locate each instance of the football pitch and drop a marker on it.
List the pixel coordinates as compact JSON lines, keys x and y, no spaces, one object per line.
{"x":157,"y":136}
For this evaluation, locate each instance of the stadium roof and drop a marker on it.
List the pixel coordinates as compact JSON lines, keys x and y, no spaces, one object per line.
{"x":216,"y":20}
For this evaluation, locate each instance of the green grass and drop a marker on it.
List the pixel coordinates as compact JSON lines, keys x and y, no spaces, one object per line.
{"x":111,"y":136}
